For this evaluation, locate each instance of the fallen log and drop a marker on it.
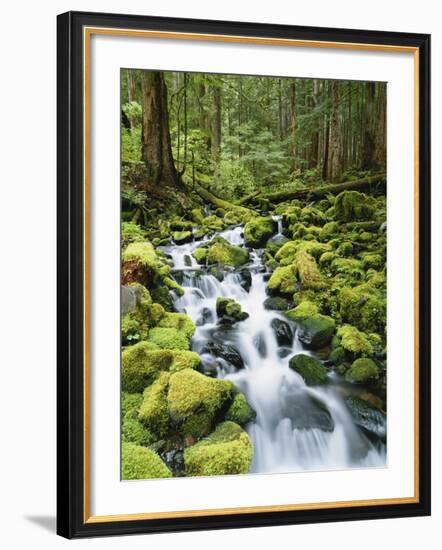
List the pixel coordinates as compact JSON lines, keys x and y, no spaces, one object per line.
{"x":216,"y":201}
{"x":366,"y":226}
{"x":248,"y":198}
{"x":336,"y":188}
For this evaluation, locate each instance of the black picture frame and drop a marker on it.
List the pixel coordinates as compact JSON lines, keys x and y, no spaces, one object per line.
{"x":71,"y":520}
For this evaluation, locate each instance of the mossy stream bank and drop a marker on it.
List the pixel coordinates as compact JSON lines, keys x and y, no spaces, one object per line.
{"x":254,"y":341}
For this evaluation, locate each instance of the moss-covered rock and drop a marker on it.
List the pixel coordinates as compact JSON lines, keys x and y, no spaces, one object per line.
{"x":142,"y":363}
{"x":232,"y":217}
{"x":168,"y":338}
{"x":316,"y":331}
{"x":363,"y":306}
{"x":181,"y":237}
{"x":372,"y":261}
{"x":312,"y":371}
{"x":200,"y":254}
{"x":213,"y":223}
{"x":350,"y":268}
{"x":153,"y":412}
{"x":130,"y":233}
{"x":258,"y":230}
{"x":225,"y":254}
{"x":141,"y":463}
{"x":228,"y":450}
{"x":283,"y":280}
{"x":276,"y":303}
{"x":362,"y":370}
{"x":302,"y":311}
{"x":326,"y":258}
{"x":194,"y":400}
{"x":197,"y":215}
{"x":308,"y":272}
{"x":240,"y":411}
{"x":179,"y":321}
{"x":351,"y":339}
{"x":132,"y":431}
{"x":337,"y":356}
{"x":229,"y":311}
{"x":345,"y":249}
{"x":328,"y":231}
{"x":352,"y":205}
{"x":130,"y":403}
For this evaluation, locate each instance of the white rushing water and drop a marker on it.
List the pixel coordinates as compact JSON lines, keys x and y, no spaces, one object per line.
{"x":293,"y":430}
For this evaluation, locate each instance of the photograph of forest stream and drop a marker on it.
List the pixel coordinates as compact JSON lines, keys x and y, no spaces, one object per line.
{"x":253,"y":273}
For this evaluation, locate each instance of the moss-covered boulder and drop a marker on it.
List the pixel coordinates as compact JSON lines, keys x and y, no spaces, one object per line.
{"x":328,"y":231}
{"x":337,"y":356}
{"x":194,"y":401}
{"x":153,"y":412}
{"x":276,"y":303}
{"x":141,"y":463}
{"x":302,"y":311}
{"x":354,"y":341}
{"x":179,"y":321}
{"x":370,"y":260}
{"x":352,"y":206}
{"x":258,"y":230}
{"x":312,"y":371}
{"x":362,"y":370}
{"x":225,"y":254}
{"x":229,"y":311}
{"x":132,"y":431}
{"x":130,"y":233}
{"x":228,"y":450}
{"x":168,"y":338}
{"x":197,"y":215}
{"x":316,"y":331}
{"x":240,"y":411}
{"x":283,"y":280}
{"x":200,"y":254}
{"x":363,"y":306}
{"x":142,"y":363}
{"x":308,"y":272}
{"x":182,"y":237}
{"x":213,"y":223}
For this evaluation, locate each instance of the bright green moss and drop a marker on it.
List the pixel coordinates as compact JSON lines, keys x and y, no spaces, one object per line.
{"x":354,"y":341}
{"x":308,"y":272}
{"x":213,"y":223}
{"x":286,"y":254}
{"x":194,"y":400}
{"x":168,"y":338}
{"x":141,"y":364}
{"x":131,"y":232}
{"x":258,"y":230}
{"x":132,"y":431}
{"x":232,"y":217}
{"x":228,"y":450}
{"x":372,"y":261}
{"x":337,"y":356}
{"x":225,"y":254}
{"x":130,"y":403}
{"x":363,"y":307}
{"x":312,"y":216}
{"x":181,"y":237}
{"x":303,"y":310}
{"x":345,"y":249}
{"x":312,"y":371}
{"x":362,"y":370}
{"x":197,"y":215}
{"x":179,"y":321}
{"x":328,"y":231}
{"x":173,"y":285}
{"x":143,"y":253}
{"x":349,"y":268}
{"x":283,"y":280}
{"x":352,"y":205}
{"x":240,"y":411}
{"x":153,"y":411}
{"x":326,"y":258}
{"x":200,"y":254}
{"x":141,"y":463}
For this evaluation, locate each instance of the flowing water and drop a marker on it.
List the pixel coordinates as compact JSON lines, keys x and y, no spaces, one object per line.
{"x":297,"y":427}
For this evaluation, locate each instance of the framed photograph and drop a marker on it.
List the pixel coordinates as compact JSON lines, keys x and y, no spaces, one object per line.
{"x":232,"y":350}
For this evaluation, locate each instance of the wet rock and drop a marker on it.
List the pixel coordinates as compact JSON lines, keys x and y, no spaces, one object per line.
{"x":276,"y":303}
{"x":367,"y":416}
{"x":312,"y":371}
{"x":226,"y":352}
{"x":246,"y":279}
{"x":258,"y":230}
{"x":284,"y":352}
{"x":182,"y":237}
{"x":175,"y":461}
{"x":229,"y":311}
{"x":206,"y":317}
{"x":187,"y":260}
{"x":283,"y":332}
{"x":260,"y":345}
{"x":128,"y":300}
{"x":307,"y":413}
{"x":316,"y":331}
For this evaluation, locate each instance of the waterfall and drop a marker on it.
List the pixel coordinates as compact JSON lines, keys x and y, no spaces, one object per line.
{"x":297,"y":427}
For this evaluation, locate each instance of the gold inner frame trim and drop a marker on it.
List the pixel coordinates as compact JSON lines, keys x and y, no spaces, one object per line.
{"x":87,"y":34}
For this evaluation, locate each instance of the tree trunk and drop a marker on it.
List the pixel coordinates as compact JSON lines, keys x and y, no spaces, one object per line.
{"x":156,"y":146}
{"x":132,"y":95}
{"x":368,"y":145}
{"x":216,"y":138}
{"x":334,"y":169}
{"x":380,"y":153}
{"x":293,"y":123}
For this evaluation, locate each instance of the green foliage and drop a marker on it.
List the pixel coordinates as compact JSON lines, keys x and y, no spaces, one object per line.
{"x":228,"y":450}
